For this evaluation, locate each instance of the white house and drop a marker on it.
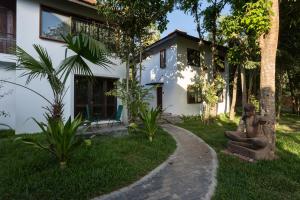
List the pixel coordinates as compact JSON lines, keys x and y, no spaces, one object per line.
{"x":172,"y":64}
{"x":28,"y":22}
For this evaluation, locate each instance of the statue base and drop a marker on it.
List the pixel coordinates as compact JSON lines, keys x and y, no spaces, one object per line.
{"x":260,"y":154}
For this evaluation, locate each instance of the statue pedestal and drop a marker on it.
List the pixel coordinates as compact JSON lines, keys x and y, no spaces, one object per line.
{"x":261,"y":154}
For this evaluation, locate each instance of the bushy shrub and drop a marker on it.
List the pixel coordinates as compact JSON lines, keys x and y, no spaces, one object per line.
{"x":149,"y":118}
{"x":61,"y":138}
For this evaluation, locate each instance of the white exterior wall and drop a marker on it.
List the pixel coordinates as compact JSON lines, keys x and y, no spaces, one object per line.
{"x":177,"y":76}
{"x":28,"y":104}
{"x":153,"y":73}
{"x":7,"y":92}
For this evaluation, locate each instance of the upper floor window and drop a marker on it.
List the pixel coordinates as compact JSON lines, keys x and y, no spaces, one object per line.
{"x":54,"y":24}
{"x":7,"y":26}
{"x":193,"y":57}
{"x":194,"y":95}
{"x":163,"y":58}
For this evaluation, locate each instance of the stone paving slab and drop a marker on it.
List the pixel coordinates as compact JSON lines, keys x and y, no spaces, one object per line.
{"x":188,"y":174}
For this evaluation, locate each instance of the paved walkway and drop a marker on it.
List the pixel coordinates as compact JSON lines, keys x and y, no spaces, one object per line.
{"x":188,"y":174}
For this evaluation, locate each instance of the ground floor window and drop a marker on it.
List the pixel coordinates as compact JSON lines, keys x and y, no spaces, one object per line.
{"x":90,"y":99}
{"x":194,"y":95}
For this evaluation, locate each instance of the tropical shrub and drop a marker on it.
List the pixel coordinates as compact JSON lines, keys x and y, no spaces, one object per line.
{"x":135,"y":99}
{"x":61,"y":138}
{"x":149,"y":118}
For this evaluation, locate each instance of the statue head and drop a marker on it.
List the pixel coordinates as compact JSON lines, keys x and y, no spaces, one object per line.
{"x":249,"y":110}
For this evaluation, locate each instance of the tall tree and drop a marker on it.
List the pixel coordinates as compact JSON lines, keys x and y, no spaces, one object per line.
{"x":210,"y":23}
{"x":288,"y":58}
{"x":132,"y":19}
{"x":268,"y":46}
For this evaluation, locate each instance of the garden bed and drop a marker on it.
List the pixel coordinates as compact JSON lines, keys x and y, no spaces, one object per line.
{"x":237,"y":179}
{"x":109,"y":164}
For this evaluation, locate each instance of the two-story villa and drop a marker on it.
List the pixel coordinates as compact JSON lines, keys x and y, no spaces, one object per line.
{"x":173,"y":64}
{"x":28,"y":22}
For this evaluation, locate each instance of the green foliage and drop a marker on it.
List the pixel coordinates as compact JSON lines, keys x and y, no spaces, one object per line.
{"x":135,"y":99}
{"x":6,"y":133}
{"x":192,"y":117}
{"x":288,"y":58}
{"x":210,"y":91}
{"x":253,"y":100}
{"x":111,"y":162}
{"x":61,"y":139}
{"x":256,"y":18}
{"x":133,"y":19}
{"x":149,"y":119}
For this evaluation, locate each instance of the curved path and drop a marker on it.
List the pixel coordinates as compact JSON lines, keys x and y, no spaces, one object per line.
{"x":188,"y":174}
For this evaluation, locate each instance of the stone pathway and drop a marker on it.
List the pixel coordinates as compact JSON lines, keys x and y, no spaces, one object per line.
{"x":188,"y":174}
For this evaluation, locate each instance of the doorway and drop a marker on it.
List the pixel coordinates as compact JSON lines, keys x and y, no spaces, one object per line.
{"x":159,"y":96}
{"x":90,"y":99}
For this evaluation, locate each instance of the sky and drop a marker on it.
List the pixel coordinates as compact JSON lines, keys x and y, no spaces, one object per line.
{"x":184,"y":22}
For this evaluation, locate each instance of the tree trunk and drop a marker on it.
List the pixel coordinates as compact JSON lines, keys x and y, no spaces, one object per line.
{"x":243,"y":86}
{"x":268,"y":46}
{"x":234,"y":93}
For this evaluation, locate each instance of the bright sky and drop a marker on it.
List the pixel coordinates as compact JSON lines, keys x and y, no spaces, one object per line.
{"x":179,"y":20}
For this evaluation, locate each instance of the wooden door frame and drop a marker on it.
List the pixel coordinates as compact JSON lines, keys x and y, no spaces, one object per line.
{"x":159,"y":89}
{"x":90,"y":93}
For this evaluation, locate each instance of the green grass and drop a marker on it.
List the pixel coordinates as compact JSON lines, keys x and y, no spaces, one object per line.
{"x":110,"y":163}
{"x":277,"y":179}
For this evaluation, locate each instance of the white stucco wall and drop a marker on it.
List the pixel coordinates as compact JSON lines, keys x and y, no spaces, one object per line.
{"x":8,"y":99}
{"x":153,"y":73}
{"x":177,"y":76}
{"x":27,"y":104}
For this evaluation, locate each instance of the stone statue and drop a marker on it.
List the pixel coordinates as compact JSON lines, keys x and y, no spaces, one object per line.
{"x":251,"y":139}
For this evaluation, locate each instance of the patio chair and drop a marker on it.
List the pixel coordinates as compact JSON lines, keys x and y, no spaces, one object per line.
{"x":115,"y":120}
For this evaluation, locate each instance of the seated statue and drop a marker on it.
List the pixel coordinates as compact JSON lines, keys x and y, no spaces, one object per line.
{"x":250,"y":133}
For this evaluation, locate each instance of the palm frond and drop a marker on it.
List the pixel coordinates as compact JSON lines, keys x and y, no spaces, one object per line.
{"x":85,"y":48}
{"x":32,"y":67}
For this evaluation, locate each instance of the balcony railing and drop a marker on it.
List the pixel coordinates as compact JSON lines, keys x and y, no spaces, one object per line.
{"x":7,"y":43}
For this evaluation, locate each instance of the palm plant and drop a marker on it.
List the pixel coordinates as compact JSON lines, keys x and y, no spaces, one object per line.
{"x":84,"y":48}
{"x":61,"y":139}
{"x":149,"y":119}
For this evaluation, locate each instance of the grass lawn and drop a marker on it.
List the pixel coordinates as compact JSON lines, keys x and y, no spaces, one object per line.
{"x":278,"y":179}
{"x":110,"y":163}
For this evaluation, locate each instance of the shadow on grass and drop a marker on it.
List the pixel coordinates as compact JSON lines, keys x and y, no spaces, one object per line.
{"x":277,"y":179}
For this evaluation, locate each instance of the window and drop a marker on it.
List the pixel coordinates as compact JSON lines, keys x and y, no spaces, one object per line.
{"x":53,"y":25}
{"x":193,"y":57}
{"x":163,"y":58}
{"x":194,"y":95}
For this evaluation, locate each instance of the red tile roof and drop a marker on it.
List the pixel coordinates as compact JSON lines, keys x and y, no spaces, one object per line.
{"x":93,"y":2}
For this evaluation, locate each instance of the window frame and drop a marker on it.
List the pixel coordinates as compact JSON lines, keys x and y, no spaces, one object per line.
{"x":188,"y":51}
{"x":64,"y":13}
{"x":162,"y":61}
{"x":190,"y":94}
